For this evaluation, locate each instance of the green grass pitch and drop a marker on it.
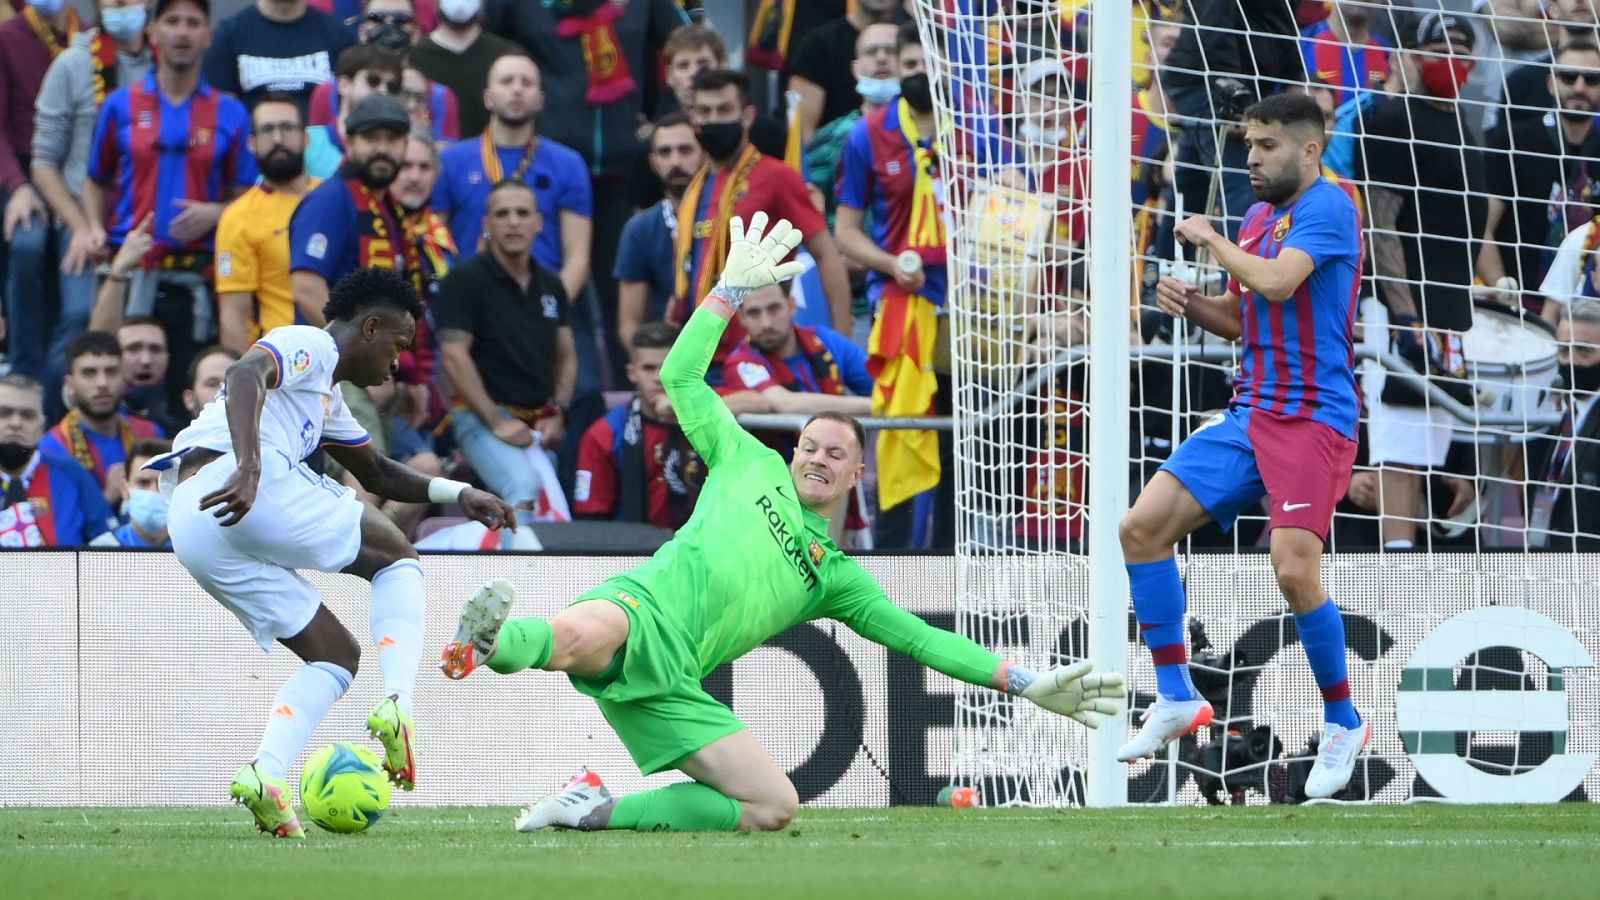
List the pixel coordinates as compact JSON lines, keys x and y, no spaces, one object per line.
{"x":1321,"y":851}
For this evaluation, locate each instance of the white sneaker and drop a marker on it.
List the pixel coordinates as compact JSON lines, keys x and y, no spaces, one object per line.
{"x":584,"y":794}
{"x":1165,"y":721}
{"x":478,"y":629}
{"x":1336,"y":758}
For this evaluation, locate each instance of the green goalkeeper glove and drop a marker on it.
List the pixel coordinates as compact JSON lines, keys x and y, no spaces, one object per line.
{"x":1073,"y":692}
{"x":757,"y":260}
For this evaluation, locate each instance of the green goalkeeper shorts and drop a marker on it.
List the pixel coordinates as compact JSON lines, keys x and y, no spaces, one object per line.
{"x":651,"y":693}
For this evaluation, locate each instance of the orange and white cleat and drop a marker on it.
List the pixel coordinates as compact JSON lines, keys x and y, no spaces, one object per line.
{"x":1165,"y":721}
{"x":478,"y":629}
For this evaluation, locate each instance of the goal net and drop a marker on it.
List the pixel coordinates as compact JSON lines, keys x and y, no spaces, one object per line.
{"x":1463,"y":558}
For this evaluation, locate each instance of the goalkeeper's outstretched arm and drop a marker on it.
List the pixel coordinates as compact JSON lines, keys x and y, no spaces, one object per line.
{"x":1070,"y":691}
{"x":754,"y":260}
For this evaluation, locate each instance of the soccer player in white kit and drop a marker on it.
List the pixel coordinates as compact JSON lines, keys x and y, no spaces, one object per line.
{"x":246,"y":512}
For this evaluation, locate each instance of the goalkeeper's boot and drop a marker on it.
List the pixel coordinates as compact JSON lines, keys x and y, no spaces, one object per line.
{"x":1165,"y":721}
{"x":267,"y":798}
{"x":478,"y":629}
{"x":1336,"y":758}
{"x":584,"y":794}
{"x":393,"y":728}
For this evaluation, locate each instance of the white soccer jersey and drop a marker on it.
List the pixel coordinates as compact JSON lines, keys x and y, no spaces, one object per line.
{"x":304,"y":409}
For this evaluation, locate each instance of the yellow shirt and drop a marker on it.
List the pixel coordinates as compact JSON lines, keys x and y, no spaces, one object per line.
{"x":253,"y":254}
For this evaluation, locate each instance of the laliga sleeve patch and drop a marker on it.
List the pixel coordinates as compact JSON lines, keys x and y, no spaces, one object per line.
{"x":299,"y":361}
{"x":581,"y":485}
{"x":317,"y":247}
{"x":754,"y":374}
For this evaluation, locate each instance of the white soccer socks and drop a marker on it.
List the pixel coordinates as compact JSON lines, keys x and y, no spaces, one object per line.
{"x":300,"y":705}
{"x":397,"y":623}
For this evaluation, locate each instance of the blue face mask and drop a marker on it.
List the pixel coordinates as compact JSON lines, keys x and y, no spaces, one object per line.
{"x":47,"y":8}
{"x":148,"y":511}
{"x":878,"y":90}
{"x":124,"y":23}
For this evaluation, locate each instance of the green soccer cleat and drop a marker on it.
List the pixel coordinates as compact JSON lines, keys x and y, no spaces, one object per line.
{"x":393,"y":728}
{"x":268,"y":800}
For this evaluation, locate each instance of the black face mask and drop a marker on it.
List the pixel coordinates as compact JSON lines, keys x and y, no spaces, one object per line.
{"x":13,"y":455}
{"x":720,"y":139}
{"x":390,"y":36}
{"x":918,"y":92}
{"x":1582,"y":378}
{"x":284,"y":166}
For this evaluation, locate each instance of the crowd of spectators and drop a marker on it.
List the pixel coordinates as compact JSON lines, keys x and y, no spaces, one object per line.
{"x":557,"y":178}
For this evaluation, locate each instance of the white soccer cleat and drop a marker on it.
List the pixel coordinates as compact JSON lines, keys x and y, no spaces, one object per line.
{"x":478,"y":629}
{"x":1165,"y":721}
{"x":584,"y":794}
{"x":1336,"y":758}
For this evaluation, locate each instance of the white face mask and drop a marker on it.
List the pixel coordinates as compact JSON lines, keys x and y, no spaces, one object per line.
{"x":1052,"y":136}
{"x":123,"y":23}
{"x":878,"y":90}
{"x":148,"y":510}
{"x":460,"y":12}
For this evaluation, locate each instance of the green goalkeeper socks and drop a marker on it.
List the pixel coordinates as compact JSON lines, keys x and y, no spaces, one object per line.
{"x":522,"y":644}
{"x":689,"y":806}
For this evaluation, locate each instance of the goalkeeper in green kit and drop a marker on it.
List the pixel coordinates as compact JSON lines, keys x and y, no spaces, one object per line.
{"x":753,"y":560}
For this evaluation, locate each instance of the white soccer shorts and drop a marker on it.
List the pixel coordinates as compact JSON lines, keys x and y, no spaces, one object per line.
{"x":300,"y":520}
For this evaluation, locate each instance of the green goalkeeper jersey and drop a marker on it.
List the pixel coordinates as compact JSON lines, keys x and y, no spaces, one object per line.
{"x":752,"y":561}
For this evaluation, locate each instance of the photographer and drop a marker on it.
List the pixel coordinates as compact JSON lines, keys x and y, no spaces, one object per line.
{"x":1234,"y":53}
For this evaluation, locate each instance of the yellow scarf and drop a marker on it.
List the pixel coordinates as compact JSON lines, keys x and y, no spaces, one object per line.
{"x":46,"y":34}
{"x":716,"y":237}
{"x":493,"y":171}
{"x":900,"y":350}
{"x":78,"y":442}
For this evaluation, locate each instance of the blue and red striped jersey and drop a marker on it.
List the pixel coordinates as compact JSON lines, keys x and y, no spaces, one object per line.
{"x":1299,"y":357}
{"x":878,"y":174}
{"x":149,"y":153}
{"x":1347,"y":68}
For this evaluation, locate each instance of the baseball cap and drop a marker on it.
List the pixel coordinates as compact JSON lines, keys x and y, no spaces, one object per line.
{"x":378,"y":111}
{"x":163,"y":5}
{"x":1435,"y":28}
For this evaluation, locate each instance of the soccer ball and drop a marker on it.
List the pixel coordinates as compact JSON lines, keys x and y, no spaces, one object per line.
{"x":344,"y":789}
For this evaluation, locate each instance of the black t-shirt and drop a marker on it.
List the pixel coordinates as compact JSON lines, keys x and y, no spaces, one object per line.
{"x":252,"y":55}
{"x":823,"y":59}
{"x":1528,"y":91}
{"x":1427,"y":155}
{"x":1531,"y":164}
{"x":466,"y":73}
{"x":513,"y":331}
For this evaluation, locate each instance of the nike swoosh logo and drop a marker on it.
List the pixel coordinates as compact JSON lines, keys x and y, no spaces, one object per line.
{"x":1291,"y":507}
{"x":782,"y":494}
{"x":1248,"y":242}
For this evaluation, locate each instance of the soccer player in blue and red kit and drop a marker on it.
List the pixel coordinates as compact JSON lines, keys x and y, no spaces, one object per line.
{"x":1289,"y":433}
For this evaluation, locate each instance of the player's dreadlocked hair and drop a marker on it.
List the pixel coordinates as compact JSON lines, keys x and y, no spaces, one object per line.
{"x":366,"y":288}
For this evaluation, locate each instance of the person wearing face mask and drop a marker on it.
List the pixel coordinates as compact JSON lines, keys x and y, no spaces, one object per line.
{"x":278,"y":46}
{"x":76,"y":84}
{"x":1564,"y":467}
{"x":254,"y":294}
{"x":351,"y":222}
{"x":690,"y":50}
{"x":890,"y":172}
{"x":645,"y":277}
{"x":46,"y":499}
{"x":392,"y":25}
{"x":738,"y":180}
{"x":145,"y":508}
{"x":1426,"y":206}
{"x":876,"y":69}
{"x":457,"y":55}
{"x":828,"y":89}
